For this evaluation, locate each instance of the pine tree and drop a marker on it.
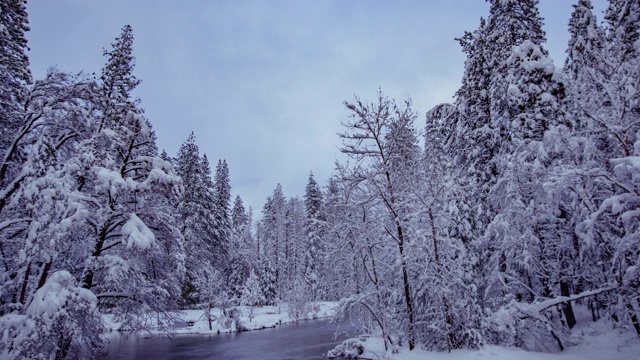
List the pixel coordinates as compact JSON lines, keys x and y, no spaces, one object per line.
{"x":218,"y":240}
{"x":221,"y":205}
{"x":623,"y":17}
{"x":251,"y":294}
{"x":165,"y":156}
{"x":295,"y":247}
{"x":197,"y":218}
{"x":15,"y":75}
{"x":132,"y":190}
{"x":585,"y":64}
{"x":239,"y":251}
{"x":314,"y":230}
{"x":268,"y":282}
{"x":586,"y":43}
{"x":344,"y":276}
{"x":273,"y":235}
{"x":239,"y":217}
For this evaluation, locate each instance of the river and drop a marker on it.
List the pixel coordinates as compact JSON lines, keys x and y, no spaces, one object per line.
{"x":302,"y":340}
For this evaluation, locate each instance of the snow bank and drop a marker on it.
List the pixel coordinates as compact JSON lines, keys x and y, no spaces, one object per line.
{"x":596,"y":341}
{"x":238,"y":319}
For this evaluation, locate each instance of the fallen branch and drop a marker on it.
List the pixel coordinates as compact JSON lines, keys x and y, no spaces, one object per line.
{"x":563,"y":299}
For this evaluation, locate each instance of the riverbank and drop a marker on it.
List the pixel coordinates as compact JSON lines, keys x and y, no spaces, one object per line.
{"x":590,"y":341}
{"x":240,"y":318}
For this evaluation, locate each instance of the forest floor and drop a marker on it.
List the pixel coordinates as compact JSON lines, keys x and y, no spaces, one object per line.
{"x":590,"y":341}
{"x":241,"y":318}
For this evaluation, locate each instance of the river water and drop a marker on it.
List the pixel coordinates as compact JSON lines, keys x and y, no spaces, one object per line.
{"x":303,"y":340}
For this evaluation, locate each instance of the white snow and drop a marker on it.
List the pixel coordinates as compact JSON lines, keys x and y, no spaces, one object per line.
{"x":137,"y":234}
{"x":52,"y":297}
{"x":195,"y":321}
{"x":594,"y":341}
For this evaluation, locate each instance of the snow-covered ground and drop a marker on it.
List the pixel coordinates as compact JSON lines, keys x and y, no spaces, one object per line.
{"x":594,"y":341}
{"x":195,"y":321}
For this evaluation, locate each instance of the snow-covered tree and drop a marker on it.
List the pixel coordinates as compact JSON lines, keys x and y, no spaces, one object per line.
{"x":252,"y":295}
{"x":314,"y":247}
{"x":135,"y":255}
{"x":268,"y":282}
{"x":240,"y":254}
{"x":366,"y":141}
{"x":197,"y":219}
{"x":239,"y":217}
{"x":221,"y":205}
{"x":15,"y":75}
{"x":100,"y":233}
{"x":295,"y":246}
{"x":273,"y":239}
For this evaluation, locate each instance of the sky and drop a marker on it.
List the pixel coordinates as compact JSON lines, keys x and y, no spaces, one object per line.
{"x":261,"y":82}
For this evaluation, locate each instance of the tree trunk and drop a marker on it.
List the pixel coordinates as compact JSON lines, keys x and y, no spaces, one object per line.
{"x":209,"y":316}
{"x":23,"y":291}
{"x":567,"y":309}
{"x":45,"y":274}
{"x":64,"y":343}
{"x":407,"y":289}
{"x":634,"y":317}
{"x":87,"y":281}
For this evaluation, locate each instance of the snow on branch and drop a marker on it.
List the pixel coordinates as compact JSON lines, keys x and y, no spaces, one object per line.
{"x":137,"y":233}
{"x":541,"y":306}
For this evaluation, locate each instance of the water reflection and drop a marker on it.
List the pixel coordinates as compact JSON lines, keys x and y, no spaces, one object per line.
{"x":303,"y":340}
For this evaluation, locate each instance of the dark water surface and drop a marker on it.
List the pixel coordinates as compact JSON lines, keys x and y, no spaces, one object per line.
{"x":303,"y":340}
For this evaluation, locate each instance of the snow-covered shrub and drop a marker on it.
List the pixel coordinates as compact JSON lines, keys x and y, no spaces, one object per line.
{"x":61,"y":319}
{"x":523,"y":325}
{"x":298,"y":300}
{"x":348,"y":349}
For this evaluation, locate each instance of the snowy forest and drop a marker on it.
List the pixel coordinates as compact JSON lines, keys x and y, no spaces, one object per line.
{"x":484,"y":222}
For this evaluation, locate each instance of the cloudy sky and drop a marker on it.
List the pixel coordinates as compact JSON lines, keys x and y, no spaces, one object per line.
{"x":261,"y":83}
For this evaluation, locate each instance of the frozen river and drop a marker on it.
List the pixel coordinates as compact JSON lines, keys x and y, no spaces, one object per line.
{"x":303,"y":340}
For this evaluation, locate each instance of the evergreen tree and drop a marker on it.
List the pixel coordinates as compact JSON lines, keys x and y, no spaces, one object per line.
{"x":295,"y":248}
{"x":197,"y":218}
{"x":251,"y":294}
{"x":120,"y":161}
{"x":273,"y":235}
{"x":239,"y":251}
{"x":268,"y":282}
{"x":586,"y":42}
{"x":218,"y":242}
{"x":239,"y":217}
{"x":221,"y":205}
{"x":15,"y":75}
{"x":623,"y":17}
{"x":314,"y":230}
{"x":585,"y":64}
{"x":164,"y":156}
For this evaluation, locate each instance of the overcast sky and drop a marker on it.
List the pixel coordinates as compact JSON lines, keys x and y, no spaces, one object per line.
{"x":261,"y":83}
